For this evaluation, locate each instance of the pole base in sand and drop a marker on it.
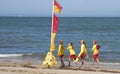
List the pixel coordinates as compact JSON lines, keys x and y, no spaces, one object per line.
{"x":50,"y":61}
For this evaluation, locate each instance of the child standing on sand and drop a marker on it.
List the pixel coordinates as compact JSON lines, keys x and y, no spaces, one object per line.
{"x":95,"y":51}
{"x":83,"y":53}
{"x":72,"y":56}
{"x":61,"y":52}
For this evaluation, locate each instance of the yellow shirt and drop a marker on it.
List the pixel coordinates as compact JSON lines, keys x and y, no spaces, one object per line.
{"x":61,"y":50}
{"x":71,"y":50}
{"x":95,"y":50}
{"x":83,"y":50}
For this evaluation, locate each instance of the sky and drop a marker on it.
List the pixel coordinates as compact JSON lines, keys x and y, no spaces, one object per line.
{"x":77,"y":8}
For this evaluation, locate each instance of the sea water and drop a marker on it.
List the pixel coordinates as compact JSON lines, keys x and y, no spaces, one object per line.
{"x":28,"y":38}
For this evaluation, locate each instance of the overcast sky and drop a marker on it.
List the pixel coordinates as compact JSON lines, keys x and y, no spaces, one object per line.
{"x":79,"y":8}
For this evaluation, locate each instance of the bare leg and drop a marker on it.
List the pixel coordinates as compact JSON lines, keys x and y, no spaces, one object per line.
{"x":98,"y":62}
{"x":84,"y":62}
{"x":93,"y":62}
{"x":62,"y":63}
{"x":69,"y":62}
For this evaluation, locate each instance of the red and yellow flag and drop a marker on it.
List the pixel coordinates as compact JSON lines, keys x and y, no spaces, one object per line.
{"x":55,"y":22}
{"x":57,"y":7}
{"x":54,"y":30}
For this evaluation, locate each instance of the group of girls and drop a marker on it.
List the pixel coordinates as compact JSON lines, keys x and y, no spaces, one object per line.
{"x":82,"y":54}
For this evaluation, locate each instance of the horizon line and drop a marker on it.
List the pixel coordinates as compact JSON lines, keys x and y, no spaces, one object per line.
{"x":59,"y":16}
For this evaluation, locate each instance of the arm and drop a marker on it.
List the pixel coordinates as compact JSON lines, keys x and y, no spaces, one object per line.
{"x":59,"y":48}
{"x":93,"y":48}
{"x":68,"y":47}
{"x":82,"y":50}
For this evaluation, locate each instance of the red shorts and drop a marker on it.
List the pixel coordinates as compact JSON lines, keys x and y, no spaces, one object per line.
{"x":61,"y":56}
{"x":95,"y":56}
{"x":83,"y":56}
{"x":72,"y":56}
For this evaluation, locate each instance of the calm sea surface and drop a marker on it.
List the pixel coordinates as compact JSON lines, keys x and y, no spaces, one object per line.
{"x":29,"y":37}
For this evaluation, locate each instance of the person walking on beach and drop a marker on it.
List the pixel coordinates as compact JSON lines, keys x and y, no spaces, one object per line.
{"x":72,"y":56}
{"x":61,"y":52}
{"x":83,"y":53}
{"x":95,"y":51}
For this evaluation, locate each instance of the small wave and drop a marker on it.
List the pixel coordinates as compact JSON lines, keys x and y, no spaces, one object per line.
{"x":10,"y":55}
{"x":117,"y":63}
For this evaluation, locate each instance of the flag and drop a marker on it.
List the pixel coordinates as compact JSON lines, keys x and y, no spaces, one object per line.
{"x":54,"y":30}
{"x":55,"y":23}
{"x":57,"y":7}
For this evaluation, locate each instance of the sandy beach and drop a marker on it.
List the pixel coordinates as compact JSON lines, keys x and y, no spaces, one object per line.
{"x":27,"y":68}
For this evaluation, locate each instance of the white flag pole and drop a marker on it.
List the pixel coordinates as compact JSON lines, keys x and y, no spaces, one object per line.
{"x":52,"y":21}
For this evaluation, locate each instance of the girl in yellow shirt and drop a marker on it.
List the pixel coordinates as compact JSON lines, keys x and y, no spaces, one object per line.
{"x":95,"y":51}
{"x":61,"y":52}
{"x":82,"y":54}
{"x":72,"y":52}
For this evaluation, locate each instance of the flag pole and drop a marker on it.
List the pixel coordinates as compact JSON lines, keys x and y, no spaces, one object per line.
{"x":52,"y":21}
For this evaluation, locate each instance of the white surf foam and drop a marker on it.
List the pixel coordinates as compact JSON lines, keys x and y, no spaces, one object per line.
{"x":10,"y":55}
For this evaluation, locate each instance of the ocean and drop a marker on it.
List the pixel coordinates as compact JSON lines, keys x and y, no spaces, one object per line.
{"x":28,"y":38}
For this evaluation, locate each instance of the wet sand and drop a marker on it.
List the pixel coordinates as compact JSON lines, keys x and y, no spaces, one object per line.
{"x":27,"y":68}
